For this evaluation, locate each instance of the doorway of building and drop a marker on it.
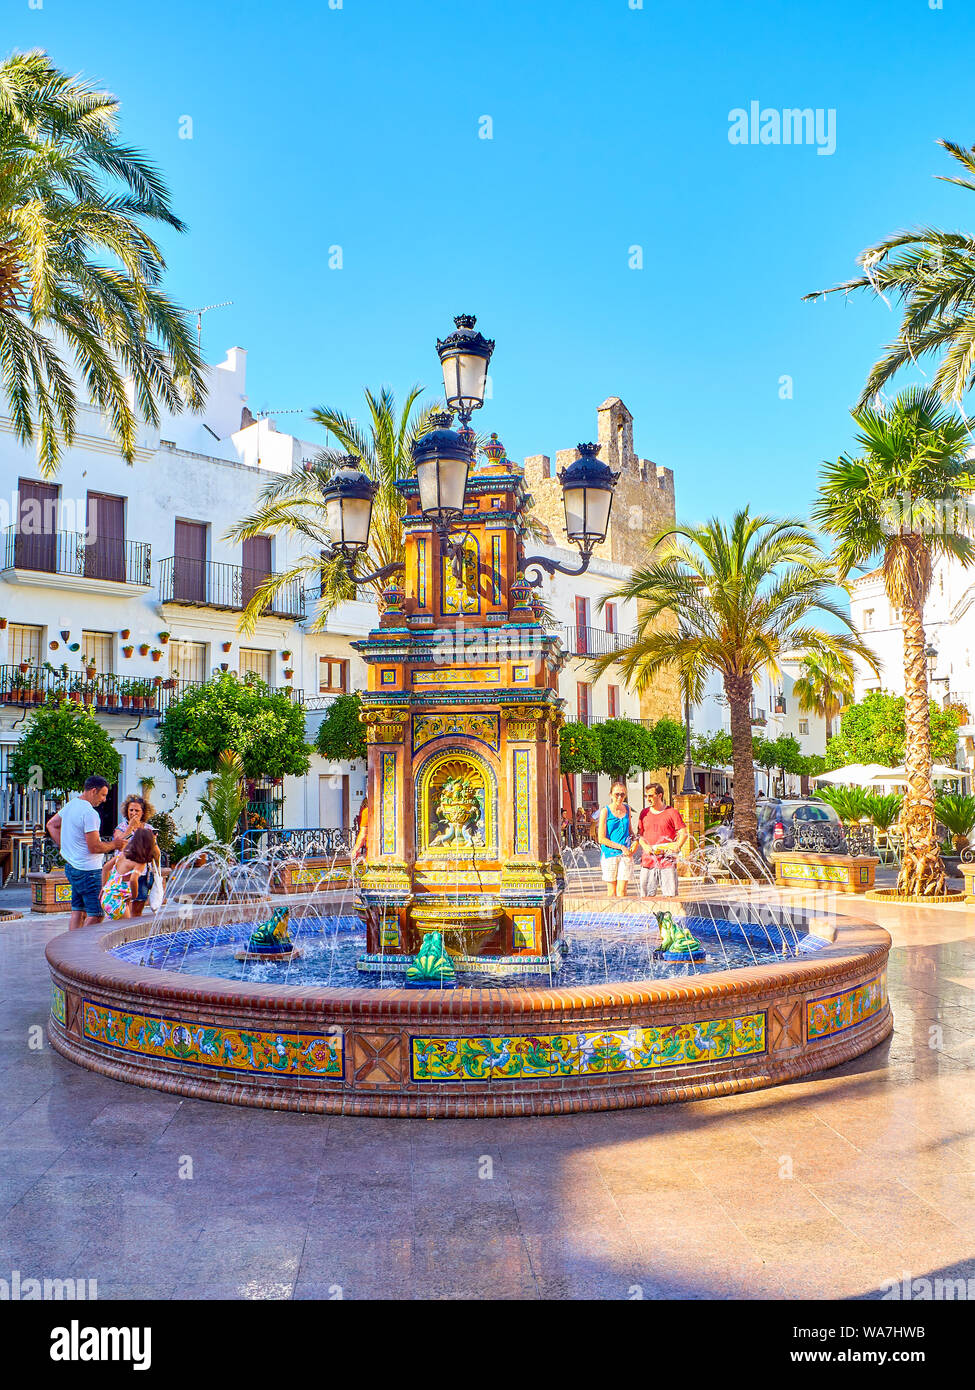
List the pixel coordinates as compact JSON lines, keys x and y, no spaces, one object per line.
{"x":333,"y":801}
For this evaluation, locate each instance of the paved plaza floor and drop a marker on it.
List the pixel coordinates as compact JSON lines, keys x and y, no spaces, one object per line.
{"x":830,"y":1188}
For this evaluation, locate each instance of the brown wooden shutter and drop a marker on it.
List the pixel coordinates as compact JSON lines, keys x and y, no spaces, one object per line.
{"x":189,"y":563}
{"x":255,"y":565}
{"x":35,"y":547}
{"x":105,"y":553}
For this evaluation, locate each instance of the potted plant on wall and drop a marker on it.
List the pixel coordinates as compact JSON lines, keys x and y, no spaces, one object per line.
{"x":128,"y":650}
{"x":125,"y":634}
{"x":164,"y":637}
{"x":143,"y":648}
{"x":157,"y":654}
{"x":226,"y":646}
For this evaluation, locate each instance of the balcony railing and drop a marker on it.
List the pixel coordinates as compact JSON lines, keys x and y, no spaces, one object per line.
{"x":207,"y":584}
{"x":70,"y":553}
{"x":592,"y":641}
{"x":591,"y":719}
{"x":108,"y":693}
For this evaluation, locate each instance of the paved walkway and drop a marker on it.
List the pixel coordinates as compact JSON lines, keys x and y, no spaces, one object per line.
{"x":821,"y":1189}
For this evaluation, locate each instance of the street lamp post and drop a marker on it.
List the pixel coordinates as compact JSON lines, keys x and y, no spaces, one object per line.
{"x":443,"y":458}
{"x":688,"y":763}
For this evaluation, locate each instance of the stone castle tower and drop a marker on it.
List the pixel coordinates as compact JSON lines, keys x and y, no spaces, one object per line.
{"x":642,"y":506}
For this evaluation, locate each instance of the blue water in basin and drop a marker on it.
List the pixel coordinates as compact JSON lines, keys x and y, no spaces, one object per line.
{"x":599,"y":952}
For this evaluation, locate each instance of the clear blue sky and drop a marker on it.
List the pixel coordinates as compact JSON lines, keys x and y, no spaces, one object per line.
{"x":358,"y":127}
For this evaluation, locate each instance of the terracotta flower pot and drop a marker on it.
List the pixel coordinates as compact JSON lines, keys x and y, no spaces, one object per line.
{"x":127,"y":651}
{"x":144,"y":649}
{"x":125,"y":634}
{"x":226,"y":646}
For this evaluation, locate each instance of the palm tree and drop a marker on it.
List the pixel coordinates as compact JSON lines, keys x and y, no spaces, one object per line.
{"x":80,"y":276}
{"x":743,"y":595}
{"x":890,"y":502}
{"x":825,"y":686}
{"x":932,"y":275}
{"x":293,"y":505}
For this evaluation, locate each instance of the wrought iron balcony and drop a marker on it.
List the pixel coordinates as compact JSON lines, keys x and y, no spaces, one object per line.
{"x":207,"y":584}
{"x":108,"y":693}
{"x":592,"y":641}
{"x":71,"y":554}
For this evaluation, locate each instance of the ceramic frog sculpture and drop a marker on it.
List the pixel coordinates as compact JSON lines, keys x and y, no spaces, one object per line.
{"x":432,"y":962}
{"x":271,"y":937}
{"x":677,"y":940}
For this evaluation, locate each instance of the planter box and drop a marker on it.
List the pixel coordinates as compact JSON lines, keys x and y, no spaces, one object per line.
{"x":52,"y":892}
{"x":968,"y":874}
{"x":313,"y":874}
{"x":843,"y":873}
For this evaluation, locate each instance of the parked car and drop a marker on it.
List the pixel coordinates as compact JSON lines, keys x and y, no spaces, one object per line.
{"x":777,"y":817}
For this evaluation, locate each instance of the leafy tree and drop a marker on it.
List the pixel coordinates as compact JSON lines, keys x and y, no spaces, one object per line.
{"x":735,"y":599}
{"x":579,"y":749}
{"x":896,"y":501}
{"x":226,"y":801}
{"x":815,"y":765}
{"x":764,"y":753}
{"x":824,"y":686}
{"x":712,"y":750}
{"x":788,"y":756}
{"x":668,"y":738}
{"x":267,"y":729}
{"x":873,"y":731}
{"x":625,"y":747}
{"x":932,"y":274}
{"x":341,"y":735}
{"x":80,"y":275}
{"x":66,"y":742}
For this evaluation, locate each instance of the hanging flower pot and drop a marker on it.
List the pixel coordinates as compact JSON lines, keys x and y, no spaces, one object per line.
{"x":143,"y":648}
{"x":157,"y":653}
{"x":225,"y":665}
{"x":127,"y":651}
{"x":157,"y":681}
{"x":3,"y":623}
{"x":285,"y":656}
{"x":125,"y":634}
{"x":24,"y":667}
{"x":288,"y":674}
{"x":90,"y":672}
{"x":164,"y":637}
{"x":226,"y":646}
{"x":169,"y":683}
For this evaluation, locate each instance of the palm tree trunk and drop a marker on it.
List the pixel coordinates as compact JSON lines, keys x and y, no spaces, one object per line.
{"x":922,"y":872}
{"x":738,"y":689}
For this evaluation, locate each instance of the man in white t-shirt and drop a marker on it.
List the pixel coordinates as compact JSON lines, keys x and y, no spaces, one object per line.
{"x":76,"y":830}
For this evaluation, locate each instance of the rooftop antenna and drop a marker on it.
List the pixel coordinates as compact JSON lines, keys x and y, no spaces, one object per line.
{"x":263,"y":414}
{"x":224,"y":303}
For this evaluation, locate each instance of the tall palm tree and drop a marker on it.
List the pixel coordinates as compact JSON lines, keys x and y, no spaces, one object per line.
{"x":293,"y":505}
{"x":898,"y":500}
{"x":743,"y":595}
{"x":825,"y":686}
{"x":80,"y":296}
{"x":932,"y":275}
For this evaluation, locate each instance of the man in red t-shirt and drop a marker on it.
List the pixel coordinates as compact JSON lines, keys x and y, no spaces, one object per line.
{"x":662,"y":834}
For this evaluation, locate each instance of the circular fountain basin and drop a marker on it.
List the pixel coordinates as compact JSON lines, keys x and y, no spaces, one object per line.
{"x":484,"y":1050}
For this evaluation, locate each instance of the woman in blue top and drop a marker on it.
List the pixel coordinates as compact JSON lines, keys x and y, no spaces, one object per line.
{"x":614,"y":834}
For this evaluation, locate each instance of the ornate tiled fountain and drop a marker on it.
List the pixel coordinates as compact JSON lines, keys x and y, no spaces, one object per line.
{"x":455,"y":1005}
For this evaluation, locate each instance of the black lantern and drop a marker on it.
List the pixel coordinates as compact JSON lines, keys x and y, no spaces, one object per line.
{"x":348,"y":495}
{"x":443,"y":458}
{"x":464,"y":356}
{"x":587,"y":494}
{"x":931,"y":657}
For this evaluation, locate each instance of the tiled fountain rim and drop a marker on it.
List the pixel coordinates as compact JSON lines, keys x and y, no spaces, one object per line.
{"x":83,"y":957}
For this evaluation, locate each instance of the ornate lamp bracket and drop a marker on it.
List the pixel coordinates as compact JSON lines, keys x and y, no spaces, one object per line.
{"x":551,"y":567}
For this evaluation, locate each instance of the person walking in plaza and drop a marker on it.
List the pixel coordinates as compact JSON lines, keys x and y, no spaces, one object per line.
{"x":76,"y":830}
{"x":135,"y":815}
{"x":120,"y":892}
{"x":614,"y":834}
{"x":662,"y":835}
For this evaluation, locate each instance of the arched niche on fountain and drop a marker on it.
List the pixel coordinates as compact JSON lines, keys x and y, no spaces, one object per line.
{"x":456,"y":806}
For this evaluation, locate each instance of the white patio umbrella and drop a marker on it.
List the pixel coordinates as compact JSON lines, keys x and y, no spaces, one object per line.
{"x":855,"y":775}
{"x":940,"y":772}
